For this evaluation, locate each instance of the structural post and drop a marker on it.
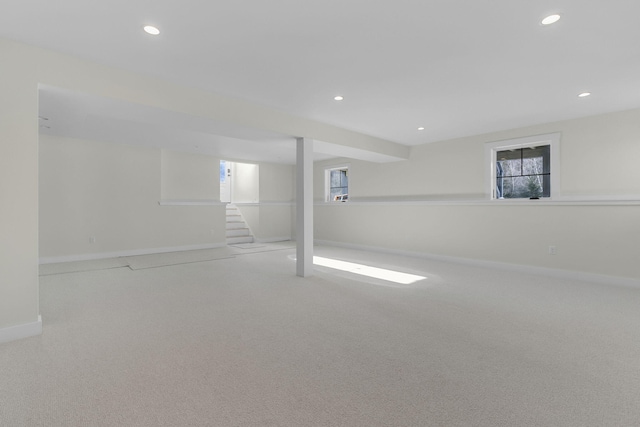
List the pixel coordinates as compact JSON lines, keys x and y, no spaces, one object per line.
{"x":304,"y":207}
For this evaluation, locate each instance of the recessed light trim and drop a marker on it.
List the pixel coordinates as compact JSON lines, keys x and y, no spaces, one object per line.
{"x":584,"y":94}
{"x":420,"y":128}
{"x":150,"y":29}
{"x":338,"y":97}
{"x":551,"y":19}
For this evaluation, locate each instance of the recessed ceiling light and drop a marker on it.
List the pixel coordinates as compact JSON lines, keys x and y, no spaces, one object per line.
{"x":338,"y":98}
{"x":150,"y":29}
{"x":420,"y":128}
{"x":551,"y":19}
{"x":584,"y":94}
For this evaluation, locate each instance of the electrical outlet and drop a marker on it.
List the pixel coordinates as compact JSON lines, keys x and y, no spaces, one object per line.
{"x":552,"y":250}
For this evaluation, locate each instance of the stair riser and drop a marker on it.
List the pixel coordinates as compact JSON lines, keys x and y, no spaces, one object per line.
{"x":236,"y":225}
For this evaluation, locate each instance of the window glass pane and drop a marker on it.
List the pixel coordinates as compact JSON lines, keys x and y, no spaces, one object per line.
{"x":344,"y":180}
{"x":335,"y":179}
{"x":534,"y":160}
{"x":532,"y":166}
{"x":337,"y":192}
{"x":511,"y":167}
{"x":223,"y":171}
{"x":543,"y":154}
{"x":546,"y":185}
{"x":499,"y":187}
{"x":523,"y":187}
{"x":533,"y":152}
{"x":508,"y":155}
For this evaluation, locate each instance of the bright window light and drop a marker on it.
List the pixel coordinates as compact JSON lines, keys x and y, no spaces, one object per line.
{"x":365,"y":270}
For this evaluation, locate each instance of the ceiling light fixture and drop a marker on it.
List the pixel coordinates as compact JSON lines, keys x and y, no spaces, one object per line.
{"x":551,"y":19}
{"x":338,"y":97}
{"x":150,"y":29}
{"x":584,"y":94}
{"x":420,"y":128}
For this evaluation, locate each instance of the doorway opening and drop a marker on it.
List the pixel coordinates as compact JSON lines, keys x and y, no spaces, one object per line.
{"x":239,"y":182}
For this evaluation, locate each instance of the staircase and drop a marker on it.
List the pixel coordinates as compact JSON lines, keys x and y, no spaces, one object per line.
{"x":237,"y":229}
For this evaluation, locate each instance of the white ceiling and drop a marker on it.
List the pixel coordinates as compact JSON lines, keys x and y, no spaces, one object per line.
{"x":456,"y":67}
{"x":83,"y":116}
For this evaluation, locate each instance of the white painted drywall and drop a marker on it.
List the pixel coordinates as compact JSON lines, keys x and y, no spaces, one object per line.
{"x":245,"y":183}
{"x":110,"y":192}
{"x":276,"y":182}
{"x":187,"y":176}
{"x":18,"y":190}
{"x":598,"y":160}
{"x":271,"y":219}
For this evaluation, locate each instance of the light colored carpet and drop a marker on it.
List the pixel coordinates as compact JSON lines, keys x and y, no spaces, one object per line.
{"x":77,"y":266}
{"x":243,"y":342}
{"x":251,"y":248}
{"x":248,"y":245}
{"x":174,"y":258}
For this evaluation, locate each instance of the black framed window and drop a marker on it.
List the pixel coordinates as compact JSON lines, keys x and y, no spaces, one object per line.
{"x":523,"y":172}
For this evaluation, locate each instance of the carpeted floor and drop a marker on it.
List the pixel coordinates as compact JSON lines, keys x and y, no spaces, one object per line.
{"x":243,"y":342}
{"x":77,"y":266}
{"x":139,"y":262}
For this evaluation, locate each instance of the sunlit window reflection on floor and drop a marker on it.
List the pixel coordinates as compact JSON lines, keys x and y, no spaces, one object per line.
{"x":365,"y":270}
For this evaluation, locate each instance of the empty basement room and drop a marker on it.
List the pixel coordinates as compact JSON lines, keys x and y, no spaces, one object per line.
{"x":439,"y":217}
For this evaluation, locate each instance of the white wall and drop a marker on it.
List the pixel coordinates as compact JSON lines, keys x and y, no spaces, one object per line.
{"x":271,"y":219}
{"x":245,"y":183}
{"x":456,"y":168}
{"x":598,"y":160}
{"x":111,"y":192}
{"x":18,"y":191}
{"x":187,"y":176}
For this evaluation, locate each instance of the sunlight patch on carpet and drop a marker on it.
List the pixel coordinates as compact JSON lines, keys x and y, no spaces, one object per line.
{"x":366,"y":270}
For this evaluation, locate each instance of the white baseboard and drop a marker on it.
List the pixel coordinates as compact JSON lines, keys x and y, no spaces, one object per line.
{"x":17,"y":332}
{"x":272,"y":239}
{"x":529,"y":269}
{"x":147,"y":251}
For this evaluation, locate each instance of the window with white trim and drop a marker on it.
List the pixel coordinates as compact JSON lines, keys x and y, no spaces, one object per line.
{"x":523,"y":168}
{"x":336,"y":184}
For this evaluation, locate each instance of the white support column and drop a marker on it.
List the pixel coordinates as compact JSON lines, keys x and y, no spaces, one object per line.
{"x":304,"y":207}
